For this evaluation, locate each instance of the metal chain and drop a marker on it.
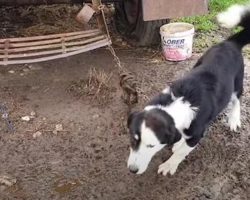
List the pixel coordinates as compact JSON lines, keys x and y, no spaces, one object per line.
{"x":111,"y":49}
{"x":128,"y":81}
{"x":116,"y":59}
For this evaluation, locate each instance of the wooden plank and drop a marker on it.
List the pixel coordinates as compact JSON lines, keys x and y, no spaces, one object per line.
{"x":167,"y":9}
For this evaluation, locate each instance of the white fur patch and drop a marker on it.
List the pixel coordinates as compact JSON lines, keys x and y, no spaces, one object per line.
{"x":136,"y":137}
{"x":166,"y":90}
{"x":148,"y":137}
{"x":232,"y":16}
{"x":178,"y":144}
{"x":172,"y":96}
{"x":181,"y":111}
{"x":179,"y":154}
{"x":234,"y":114}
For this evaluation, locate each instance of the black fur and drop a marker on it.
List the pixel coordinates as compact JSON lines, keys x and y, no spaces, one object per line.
{"x":157,"y":120}
{"x":208,"y":86}
{"x":161,"y":99}
{"x":163,"y":126}
{"x":134,"y":122}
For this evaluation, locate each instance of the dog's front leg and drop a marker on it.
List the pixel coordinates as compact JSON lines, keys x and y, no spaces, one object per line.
{"x":180,"y":152}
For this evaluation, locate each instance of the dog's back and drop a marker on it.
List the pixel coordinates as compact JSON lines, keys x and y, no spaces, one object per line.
{"x":219,"y":72}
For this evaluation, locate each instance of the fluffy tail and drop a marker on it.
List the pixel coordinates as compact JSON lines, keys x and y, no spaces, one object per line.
{"x":237,"y":15}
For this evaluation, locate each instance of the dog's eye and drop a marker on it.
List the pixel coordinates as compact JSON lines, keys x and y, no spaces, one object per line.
{"x":150,"y":146}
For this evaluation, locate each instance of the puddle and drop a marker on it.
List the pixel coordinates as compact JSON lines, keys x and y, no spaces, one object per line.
{"x":64,"y":186}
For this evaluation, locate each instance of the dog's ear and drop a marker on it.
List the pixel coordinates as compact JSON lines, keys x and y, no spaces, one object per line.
{"x":163,"y":125}
{"x":130,"y":117}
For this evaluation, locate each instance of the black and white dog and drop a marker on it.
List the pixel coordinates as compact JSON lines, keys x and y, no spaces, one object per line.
{"x":182,"y":112}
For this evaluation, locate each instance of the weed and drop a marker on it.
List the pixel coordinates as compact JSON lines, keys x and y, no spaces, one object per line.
{"x":207,"y":22}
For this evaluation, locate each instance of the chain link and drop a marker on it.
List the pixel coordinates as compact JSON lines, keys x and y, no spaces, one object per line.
{"x":116,"y":59}
{"x":128,"y":81}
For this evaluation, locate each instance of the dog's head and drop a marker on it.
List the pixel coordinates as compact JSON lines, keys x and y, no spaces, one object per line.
{"x":149,"y":131}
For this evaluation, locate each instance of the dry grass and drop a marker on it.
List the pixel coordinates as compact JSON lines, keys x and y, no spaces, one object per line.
{"x":50,"y":19}
{"x":98,"y":81}
{"x":98,"y":86}
{"x":39,"y":20}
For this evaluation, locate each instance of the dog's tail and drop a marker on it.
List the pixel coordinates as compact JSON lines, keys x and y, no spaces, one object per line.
{"x":237,"y":15}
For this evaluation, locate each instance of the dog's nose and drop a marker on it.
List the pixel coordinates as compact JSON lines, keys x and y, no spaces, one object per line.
{"x":133,"y":169}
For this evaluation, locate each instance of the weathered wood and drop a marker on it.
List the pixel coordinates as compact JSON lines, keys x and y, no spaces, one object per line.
{"x":166,"y":9}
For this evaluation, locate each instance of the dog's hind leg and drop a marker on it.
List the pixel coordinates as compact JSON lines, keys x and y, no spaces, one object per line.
{"x":234,"y":114}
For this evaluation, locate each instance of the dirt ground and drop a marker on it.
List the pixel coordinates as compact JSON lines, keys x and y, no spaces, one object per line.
{"x":86,"y":158}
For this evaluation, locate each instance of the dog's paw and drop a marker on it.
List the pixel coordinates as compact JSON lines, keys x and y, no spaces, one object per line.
{"x":234,"y":123}
{"x":168,"y":167}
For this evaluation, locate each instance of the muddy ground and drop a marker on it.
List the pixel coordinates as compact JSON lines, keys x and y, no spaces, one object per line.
{"x":86,"y":157}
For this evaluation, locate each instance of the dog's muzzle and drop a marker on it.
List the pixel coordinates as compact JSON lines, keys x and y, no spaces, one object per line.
{"x":133,"y":169}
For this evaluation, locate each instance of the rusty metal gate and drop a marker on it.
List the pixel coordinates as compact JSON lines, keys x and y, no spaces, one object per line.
{"x":48,"y":47}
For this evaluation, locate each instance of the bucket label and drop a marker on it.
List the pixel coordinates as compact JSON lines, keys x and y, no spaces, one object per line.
{"x":177,"y":49}
{"x":176,"y":43}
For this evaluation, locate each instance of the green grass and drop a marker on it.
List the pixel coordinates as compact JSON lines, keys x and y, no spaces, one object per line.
{"x":207,"y":22}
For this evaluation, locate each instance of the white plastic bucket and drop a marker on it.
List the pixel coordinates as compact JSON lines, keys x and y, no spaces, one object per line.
{"x":177,"y":40}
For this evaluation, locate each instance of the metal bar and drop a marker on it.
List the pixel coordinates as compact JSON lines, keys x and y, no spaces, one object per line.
{"x":33,"y":47}
{"x":45,"y":52}
{"x":6,"y":47}
{"x":43,"y":37}
{"x":44,"y":42}
{"x":63,"y":45}
{"x":86,"y":48}
{"x":57,"y":50}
